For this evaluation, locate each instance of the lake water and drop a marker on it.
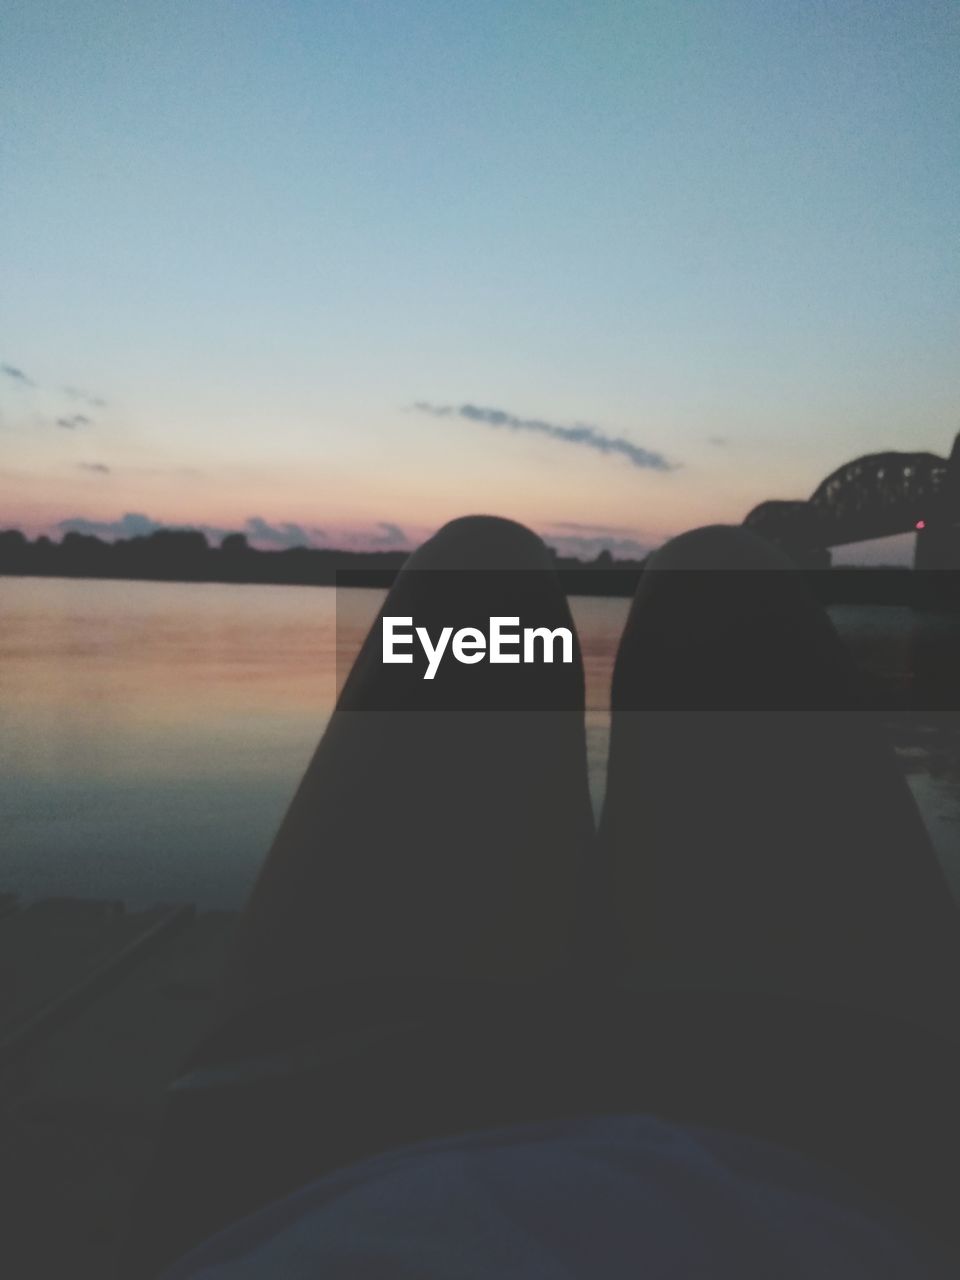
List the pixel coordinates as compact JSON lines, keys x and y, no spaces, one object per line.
{"x":153,"y":733}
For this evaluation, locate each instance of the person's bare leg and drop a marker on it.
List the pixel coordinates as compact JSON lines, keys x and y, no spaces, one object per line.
{"x":439,"y":829}
{"x":786,"y":946}
{"x":759,"y":832}
{"x":395,"y":964}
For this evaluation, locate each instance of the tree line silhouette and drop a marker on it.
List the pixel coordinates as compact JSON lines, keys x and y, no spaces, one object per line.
{"x":186,"y":555}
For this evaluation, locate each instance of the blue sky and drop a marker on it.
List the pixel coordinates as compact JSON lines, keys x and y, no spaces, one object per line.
{"x":725,"y":233}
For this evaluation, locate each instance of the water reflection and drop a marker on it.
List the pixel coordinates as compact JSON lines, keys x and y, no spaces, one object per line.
{"x":153,"y":732}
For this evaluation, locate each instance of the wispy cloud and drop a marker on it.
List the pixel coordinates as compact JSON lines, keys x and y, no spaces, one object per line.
{"x":388,"y":535}
{"x":383,"y":536}
{"x":284,"y":535}
{"x":719,"y":441}
{"x":132,"y":525}
{"x":16,"y":375}
{"x":69,"y":420}
{"x":580,"y":433}
{"x":86,"y":397}
{"x":189,"y":473}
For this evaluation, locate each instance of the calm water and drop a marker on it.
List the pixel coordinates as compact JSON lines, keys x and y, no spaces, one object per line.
{"x":153,"y":733}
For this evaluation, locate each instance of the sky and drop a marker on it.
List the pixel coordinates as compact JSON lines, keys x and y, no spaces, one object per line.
{"x":336,"y":272}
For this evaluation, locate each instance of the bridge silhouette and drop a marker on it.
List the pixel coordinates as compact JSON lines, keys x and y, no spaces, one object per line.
{"x":876,"y":496}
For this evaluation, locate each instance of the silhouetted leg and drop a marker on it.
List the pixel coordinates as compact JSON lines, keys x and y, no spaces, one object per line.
{"x":775,"y":891}
{"x":761,"y":834}
{"x":440,"y":825}
{"x":398,"y":961}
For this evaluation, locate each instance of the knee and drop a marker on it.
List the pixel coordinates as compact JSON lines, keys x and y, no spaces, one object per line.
{"x":482,"y":542}
{"x":719,"y":546}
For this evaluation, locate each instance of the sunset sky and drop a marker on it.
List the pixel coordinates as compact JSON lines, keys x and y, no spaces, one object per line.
{"x":339,"y":271}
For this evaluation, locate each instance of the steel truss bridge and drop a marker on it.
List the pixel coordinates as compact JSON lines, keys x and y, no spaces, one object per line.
{"x":876,"y":496}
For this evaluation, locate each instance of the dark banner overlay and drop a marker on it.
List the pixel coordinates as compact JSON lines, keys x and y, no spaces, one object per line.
{"x":693,"y":640}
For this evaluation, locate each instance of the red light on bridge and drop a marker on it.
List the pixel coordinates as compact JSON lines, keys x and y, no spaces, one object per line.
{"x":921,"y":524}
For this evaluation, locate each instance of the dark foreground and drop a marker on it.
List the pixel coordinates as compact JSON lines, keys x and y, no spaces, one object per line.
{"x":99,"y":1008}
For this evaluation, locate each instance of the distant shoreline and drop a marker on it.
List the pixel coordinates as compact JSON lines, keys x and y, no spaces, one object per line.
{"x":175,"y":555}
{"x":186,"y":556}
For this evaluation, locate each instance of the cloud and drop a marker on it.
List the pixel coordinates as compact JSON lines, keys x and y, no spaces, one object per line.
{"x":135,"y":524}
{"x":73,"y":421}
{"x":580,"y":433}
{"x":131,"y":525}
{"x":16,"y":375}
{"x":719,"y":441}
{"x":384,"y":536}
{"x":87,"y":397}
{"x":284,"y":535}
{"x":187,"y":472}
{"x":390,"y":535}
